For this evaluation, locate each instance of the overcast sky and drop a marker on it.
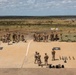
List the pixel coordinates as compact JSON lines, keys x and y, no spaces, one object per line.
{"x":37,"y":7}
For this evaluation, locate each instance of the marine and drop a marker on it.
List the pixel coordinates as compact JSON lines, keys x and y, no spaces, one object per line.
{"x":46,"y":59}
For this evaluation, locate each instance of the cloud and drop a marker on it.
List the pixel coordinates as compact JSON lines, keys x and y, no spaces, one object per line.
{"x":37,"y":4}
{"x":3,"y":0}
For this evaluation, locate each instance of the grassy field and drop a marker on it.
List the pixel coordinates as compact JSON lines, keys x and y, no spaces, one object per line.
{"x":66,"y":26}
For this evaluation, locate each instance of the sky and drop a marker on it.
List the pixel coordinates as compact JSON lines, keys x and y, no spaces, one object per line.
{"x":37,"y":7}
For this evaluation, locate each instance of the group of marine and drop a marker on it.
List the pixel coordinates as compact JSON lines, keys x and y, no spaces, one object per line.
{"x":12,"y":37}
{"x":45,"y":37}
{"x":17,"y":37}
{"x":38,"y":61}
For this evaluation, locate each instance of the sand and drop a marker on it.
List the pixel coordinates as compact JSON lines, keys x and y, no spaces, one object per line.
{"x":21,"y":55}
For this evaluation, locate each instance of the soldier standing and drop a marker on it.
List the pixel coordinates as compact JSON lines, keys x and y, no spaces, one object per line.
{"x":13,"y":37}
{"x":43,"y":37}
{"x":18,"y":37}
{"x":3,"y":39}
{"x":56,"y":37}
{"x":53,"y":54}
{"x":8,"y":38}
{"x":39,"y":59}
{"x":34,"y":37}
{"x":52,"y":37}
{"x":61,"y":36}
{"x":22,"y":38}
{"x":47,"y":37}
{"x":39,"y":37}
{"x":46,"y":59}
{"x":36,"y":57}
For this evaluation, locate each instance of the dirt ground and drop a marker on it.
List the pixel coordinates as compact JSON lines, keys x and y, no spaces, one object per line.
{"x":21,"y":55}
{"x":18,"y":58}
{"x":35,"y":71}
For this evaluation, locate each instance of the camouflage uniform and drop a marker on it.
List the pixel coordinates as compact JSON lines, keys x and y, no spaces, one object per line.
{"x":52,"y":37}
{"x":53,"y":54}
{"x":36,"y":57}
{"x":34,"y":37}
{"x":56,"y":37}
{"x":46,"y":59}
{"x":39,"y":59}
{"x":22,"y":38}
